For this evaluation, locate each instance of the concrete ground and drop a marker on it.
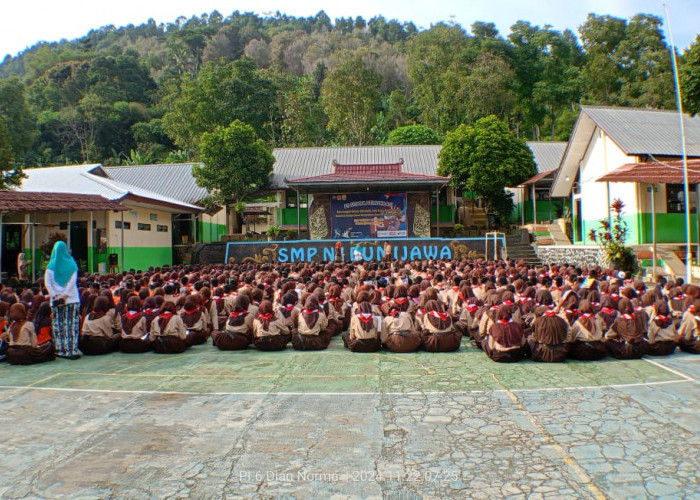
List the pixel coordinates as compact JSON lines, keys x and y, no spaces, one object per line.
{"x":333,"y":424}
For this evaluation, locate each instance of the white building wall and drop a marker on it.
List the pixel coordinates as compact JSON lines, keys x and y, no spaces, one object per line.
{"x":604,"y":156}
{"x":134,"y":237}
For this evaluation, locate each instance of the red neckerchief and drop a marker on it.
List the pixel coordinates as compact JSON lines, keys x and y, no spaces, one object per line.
{"x":256,"y":303}
{"x":132,"y":314}
{"x":461,"y":296}
{"x":310,"y":311}
{"x":217,"y":298}
{"x":265,"y":316}
{"x":401,"y":300}
{"x":507,"y":302}
{"x":455,"y":288}
{"x":322,"y":302}
{"x":586,"y":316}
{"x":288,"y":307}
{"x":615,"y":296}
{"x":166,"y":315}
{"x":691,"y":308}
{"x":236,"y":314}
{"x":420,"y":311}
{"x":472,"y":308}
{"x":393,"y":312}
{"x":336,"y":299}
{"x":503,"y":321}
{"x":550,"y":313}
{"x":191,"y":311}
{"x":629,"y":316}
{"x":572,"y":311}
{"x":149,"y":310}
{"x":607,"y":310}
{"x":438,"y":314}
{"x":661,"y":317}
{"x":365,"y":317}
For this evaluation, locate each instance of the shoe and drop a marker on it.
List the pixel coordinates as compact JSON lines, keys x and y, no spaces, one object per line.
{"x":73,"y":357}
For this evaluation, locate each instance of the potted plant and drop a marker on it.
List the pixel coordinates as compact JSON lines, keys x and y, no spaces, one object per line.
{"x":273,"y":232}
{"x":611,"y":238}
{"x":459,"y":229}
{"x":292,"y":234}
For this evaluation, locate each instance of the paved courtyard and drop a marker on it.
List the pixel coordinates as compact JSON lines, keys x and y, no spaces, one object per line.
{"x":333,"y":424}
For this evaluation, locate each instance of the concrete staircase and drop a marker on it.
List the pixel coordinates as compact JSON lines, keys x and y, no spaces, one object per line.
{"x":518,"y":250}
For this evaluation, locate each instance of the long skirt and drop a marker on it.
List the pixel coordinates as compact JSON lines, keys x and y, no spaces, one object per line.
{"x":302,"y":342}
{"x":134,"y":345}
{"x":27,"y":355}
{"x":169,"y":344}
{"x":442,"y":342}
{"x":230,"y":341}
{"x":510,"y":356}
{"x":403,"y":341}
{"x":587,"y":351}
{"x":66,"y":329}
{"x":93,"y":345}
{"x":625,"y":350}
{"x":196,"y":337}
{"x":271,"y":342}
{"x":691,"y":346}
{"x":547,"y":353}
{"x":661,"y":348}
{"x":361,"y":345}
{"x":335,"y":327}
{"x":476,"y":338}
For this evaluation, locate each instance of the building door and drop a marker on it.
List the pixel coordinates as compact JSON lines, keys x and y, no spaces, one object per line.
{"x":78,"y":243}
{"x":11,"y":247}
{"x":578,"y":221}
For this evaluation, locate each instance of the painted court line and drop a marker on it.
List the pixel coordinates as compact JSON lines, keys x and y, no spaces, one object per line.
{"x":411,"y":393}
{"x":663,"y":367}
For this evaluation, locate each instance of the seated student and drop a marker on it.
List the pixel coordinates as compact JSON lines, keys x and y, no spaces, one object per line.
{"x":467,"y":323}
{"x":364,"y":334}
{"x":269,"y":331}
{"x":150,"y":311}
{"x":4,"y":309}
{"x":23,"y":348}
{"x":134,"y":336}
{"x":311,"y":333}
{"x":486,"y":316}
{"x":100,"y":335}
{"x":237,"y":333}
{"x":585,"y":335}
{"x":568,"y":307}
{"x":398,"y":333}
{"x":195,"y":322}
{"x":625,"y":338}
{"x":607,"y":314}
{"x":437,"y":330}
{"x":662,"y":335}
{"x":505,"y":341}
{"x":338,"y":311}
{"x":288,"y":311}
{"x":548,"y":339}
{"x":689,"y":332}
{"x":168,"y":333}
{"x":43,"y":323}
{"x":219,"y":303}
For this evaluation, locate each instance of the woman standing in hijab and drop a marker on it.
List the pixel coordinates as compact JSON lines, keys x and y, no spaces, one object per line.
{"x":61,"y":282}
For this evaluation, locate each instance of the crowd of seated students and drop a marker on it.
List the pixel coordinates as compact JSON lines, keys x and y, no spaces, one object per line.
{"x":507,"y":309}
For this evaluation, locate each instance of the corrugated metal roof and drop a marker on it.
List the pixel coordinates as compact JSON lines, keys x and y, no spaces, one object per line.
{"x":547,"y":154}
{"x":28,"y":201}
{"x":174,"y":180}
{"x":538,"y":177}
{"x":647,"y":131}
{"x":670,"y":172}
{"x":295,"y":163}
{"x":89,"y":179}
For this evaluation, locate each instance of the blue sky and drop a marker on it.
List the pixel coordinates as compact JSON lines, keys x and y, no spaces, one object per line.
{"x":22,"y":24}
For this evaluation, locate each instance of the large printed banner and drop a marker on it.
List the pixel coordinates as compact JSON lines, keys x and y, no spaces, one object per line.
{"x":368,"y":215}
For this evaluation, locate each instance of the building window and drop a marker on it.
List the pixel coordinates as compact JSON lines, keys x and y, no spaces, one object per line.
{"x":291,"y":199}
{"x":153,"y":217}
{"x":144,"y":227}
{"x":675,"y":197}
{"x":133,"y":214}
{"x":118,"y":224}
{"x":162,"y":228}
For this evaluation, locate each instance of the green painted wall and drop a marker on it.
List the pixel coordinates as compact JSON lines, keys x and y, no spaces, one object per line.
{"x":143,"y":257}
{"x":670,"y":228}
{"x":543,"y":210}
{"x":210,"y":232}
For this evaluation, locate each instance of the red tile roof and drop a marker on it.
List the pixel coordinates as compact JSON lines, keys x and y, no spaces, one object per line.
{"x":670,"y":172}
{"x":29,"y":201}
{"x":373,"y":173}
{"x":538,"y":177}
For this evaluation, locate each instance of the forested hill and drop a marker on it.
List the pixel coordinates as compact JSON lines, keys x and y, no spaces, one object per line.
{"x":147,"y":93}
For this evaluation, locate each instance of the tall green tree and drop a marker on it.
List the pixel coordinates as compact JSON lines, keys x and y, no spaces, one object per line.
{"x":19,"y":120}
{"x":217,"y":96}
{"x":413,"y":135}
{"x":690,"y":77}
{"x":350,"y":97}
{"x":10,"y":175}
{"x":236,"y":164}
{"x":486,"y":158}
